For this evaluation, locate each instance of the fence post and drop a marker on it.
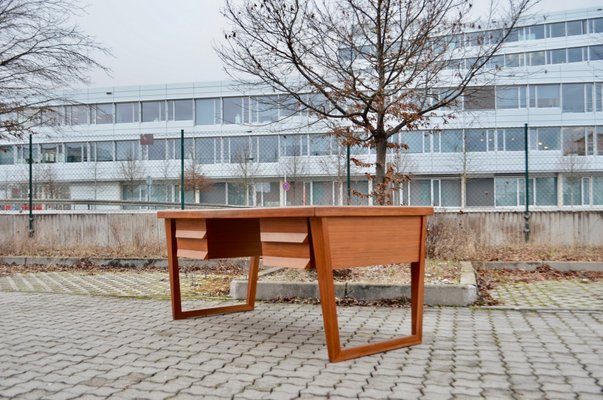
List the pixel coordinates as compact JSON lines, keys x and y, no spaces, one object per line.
{"x":349,"y":181}
{"x":30,"y":162}
{"x":526,"y":215}
{"x":182,"y":169}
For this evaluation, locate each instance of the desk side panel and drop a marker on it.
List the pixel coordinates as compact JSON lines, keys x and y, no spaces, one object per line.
{"x":363,"y":241}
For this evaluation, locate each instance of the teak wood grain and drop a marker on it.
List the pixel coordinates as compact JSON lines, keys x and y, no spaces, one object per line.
{"x":326,"y":238}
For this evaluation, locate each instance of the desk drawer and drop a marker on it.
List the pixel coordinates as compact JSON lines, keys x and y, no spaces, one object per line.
{"x":191,"y":238}
{"x":285,"y":242}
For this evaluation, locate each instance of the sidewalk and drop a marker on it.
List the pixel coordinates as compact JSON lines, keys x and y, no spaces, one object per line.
{"x":63,"y":346}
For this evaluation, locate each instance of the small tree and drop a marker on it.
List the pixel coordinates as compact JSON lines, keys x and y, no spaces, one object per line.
{"x":368,"y":68}
{"x":194,"y":179}
{"x":40,"y":53}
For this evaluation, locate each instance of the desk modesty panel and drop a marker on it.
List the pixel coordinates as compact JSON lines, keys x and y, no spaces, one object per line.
{"x":324,"y":238}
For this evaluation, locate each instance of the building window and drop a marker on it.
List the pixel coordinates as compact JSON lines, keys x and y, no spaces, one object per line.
{"x":480,"y":140}
{"x":175,"y":150}
{"x":292,"y":145}
{"x":50,"y":153}
{"x":7,"y":155}
{"x":576,"y":27}
{"x":510,"y":97}
{"x":578,"y":141}
{"x":414,"y":141}
{"x":76,"y":152}
{"x":217,"y":195}
{"x":598,"y":190}
{"x":544,"y":139}
{"x":479,"y":98}
{"x":153,"y":111}
{"x":180,"y":110}
{"x":267,"y":149}
{"x":480,"y":192}
{"x":509,"y":191}
{"x":208,"y":111}
{"x":544,"y":191}
{"x":576,"y":191}
{"x":536,"y":58}
{"x":237,"y":150}
{"x":535,"y":32}
{"x":556,"y":30}
{"x":514,"y":60}
{"x":126,"y":150}
{"x":322,"y":193}
{"x":205,"y":150}
{"x":264,"y":109}
{"x":514,"y":139}
{"x":267,"y":194}
{"x":79,"y":115}
{"x":103,"y":113}
{"x":101,"y":151}
{"x":574,"y":97}
{"x":155,"y":150}
{"x":595,"y":25}
{"x":596,"y":52}
{"x":544,"y":96}
{"x":557,"y":56}
{"x":235,"y":110}
{"x":127,"y":112}
{"x":451,"y":141}
{"x":577,"y":54}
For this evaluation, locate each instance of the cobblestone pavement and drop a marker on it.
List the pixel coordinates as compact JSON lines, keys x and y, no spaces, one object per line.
{"x":154,"y":285}
{"x":61,"y":346}
{"x":566,"y":294}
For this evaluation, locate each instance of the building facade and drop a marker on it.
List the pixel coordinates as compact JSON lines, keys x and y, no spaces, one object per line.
{"x":242,"y":148}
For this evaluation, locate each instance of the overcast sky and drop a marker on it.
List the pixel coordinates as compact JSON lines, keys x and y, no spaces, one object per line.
{"x":159,"y":41}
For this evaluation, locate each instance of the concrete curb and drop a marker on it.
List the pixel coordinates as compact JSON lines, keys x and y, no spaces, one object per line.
{"x":109,"y":262}
{"x":435,"y":295}
{"x":563,"y":266}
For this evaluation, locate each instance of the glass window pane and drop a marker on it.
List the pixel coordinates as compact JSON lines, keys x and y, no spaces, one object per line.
{"x":574,"y":54}
{"x":506,"y":192}
{"x":216,"y":195}
{"x":548,"y":96}
{"x":236,"y":194}
{"x":557,"y":30}
{"x":7,"y":155}
{"x":536,"y":32}
{"x":183,"y":110}
{"x":156,"y":151}
{"x":205,"y":150}
{"x":204,"y":112}
{"x":420,"y":192}
{"x":596,"y":25}
{"x":76,"y":152}
{"x":546,"y":191}
{"x":574,"y":28}
{"x":451,"y":192}
{"x":514,"y":60}
{"x":104,"y":113}
{"x":103,"y":151}
{"x":514,"y":139}
{"x":239,"y":150}
{"x":480,"y":192}
{"x":573,"y":97}
{"x":79,"y":114}
{"x":572,"y":191}
{"x":596,"y":52}
{"x":479,"y":98}
{"x":476,"y":140}
{"x":127,"y":112}
{"x":290,"y":145}
{"x":598,"y":190}
{"x":236,"y":110}
{"x":267,"y":109}
{"x":361,"y":187}
{"x":153,"y":111}
{"x":414,"y":141}
{"x":320,"y":145}
{"x":558,"y":56}
{"x":452,"y":141}
{"x":507,"y":97}
{"x":549,"y":138}
{"x":49,"y":153}
{"x":126,"y":150}
{"x":574,"y":141}
{"x":268,"y":149}
{"x":322,"y":193}
{"x":536,"y":58}
{"x":600,"y":140}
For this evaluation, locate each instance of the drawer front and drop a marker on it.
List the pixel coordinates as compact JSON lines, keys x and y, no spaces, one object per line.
{"x":285,"y":242}
{"x":191,"y":238}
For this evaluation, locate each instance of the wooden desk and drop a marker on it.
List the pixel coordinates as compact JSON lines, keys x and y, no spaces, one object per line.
{"x":325,"y":238}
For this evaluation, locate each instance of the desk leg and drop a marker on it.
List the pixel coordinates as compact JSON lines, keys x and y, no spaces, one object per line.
{"x":324,"y":269}
{"x":174,"y":270}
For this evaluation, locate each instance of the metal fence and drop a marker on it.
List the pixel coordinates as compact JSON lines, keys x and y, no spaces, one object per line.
{"x":452,"y":169}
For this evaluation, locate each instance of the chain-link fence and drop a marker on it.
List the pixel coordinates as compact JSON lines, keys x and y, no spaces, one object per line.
{"x":449,"y":169}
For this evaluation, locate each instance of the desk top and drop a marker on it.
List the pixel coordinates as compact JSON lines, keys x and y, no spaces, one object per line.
{"x":305,"y":211}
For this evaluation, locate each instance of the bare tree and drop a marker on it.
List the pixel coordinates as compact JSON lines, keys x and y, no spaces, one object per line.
{"x":194,"y":179}
{"x":41,"y":52}
{"x":247,"y":170}
{"x":368,"y":68}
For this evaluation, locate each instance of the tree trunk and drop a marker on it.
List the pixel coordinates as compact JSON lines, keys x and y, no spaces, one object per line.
{"x":380,"y":168}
